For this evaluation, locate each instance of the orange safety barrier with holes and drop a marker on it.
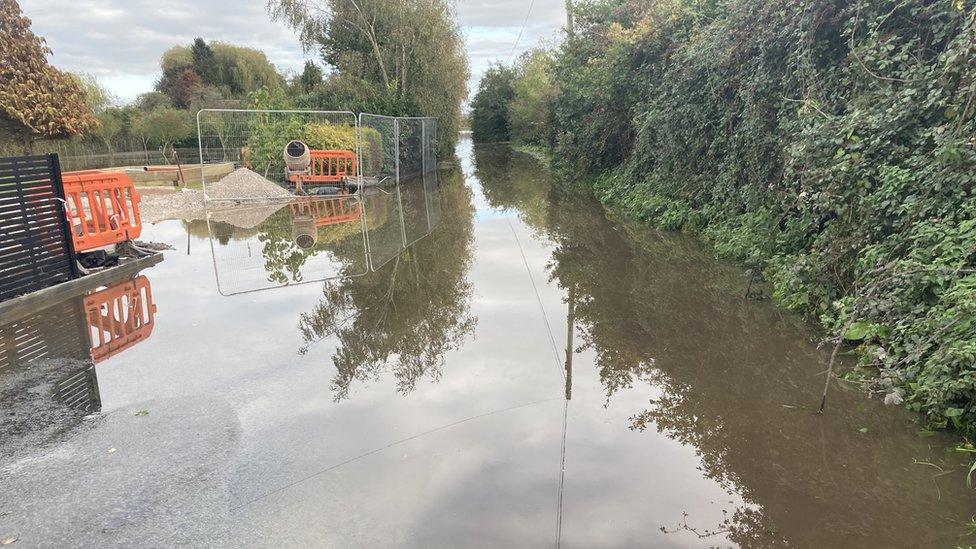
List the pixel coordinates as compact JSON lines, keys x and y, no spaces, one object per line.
{"x":103,"y":208}
{"x":327,"y":167}
{"x":328,"y":211}
{"x":119,"y":317}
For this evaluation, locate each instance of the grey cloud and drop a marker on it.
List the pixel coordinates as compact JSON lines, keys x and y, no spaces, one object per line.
{"x":510,"y":13}
{"x":108,"y":37}
{"x":117,"y":39}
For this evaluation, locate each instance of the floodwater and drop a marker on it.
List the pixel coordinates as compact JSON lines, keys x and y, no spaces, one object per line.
{"x":484,"y":358}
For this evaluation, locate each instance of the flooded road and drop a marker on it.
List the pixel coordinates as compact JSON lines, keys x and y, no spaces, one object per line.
{"x":486,"y":359}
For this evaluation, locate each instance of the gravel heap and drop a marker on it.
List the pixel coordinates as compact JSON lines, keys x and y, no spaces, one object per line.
{"x":244,"y":183}
{"x":188,"y":204}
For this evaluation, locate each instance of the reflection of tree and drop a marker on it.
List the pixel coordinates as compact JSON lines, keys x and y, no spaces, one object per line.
{"x":409,"y":313}
{"x":731,"y":379}
{"x":518,"y":183}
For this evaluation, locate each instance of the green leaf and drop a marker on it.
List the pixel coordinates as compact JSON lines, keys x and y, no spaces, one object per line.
{"x":858,"y":331}
{"x":954,"y":412}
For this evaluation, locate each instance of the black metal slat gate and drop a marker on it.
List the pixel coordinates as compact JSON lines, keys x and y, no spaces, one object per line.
{"x":35,"y":245}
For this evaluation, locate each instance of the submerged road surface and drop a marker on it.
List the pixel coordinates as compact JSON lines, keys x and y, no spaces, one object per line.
{"x":479,"y":358}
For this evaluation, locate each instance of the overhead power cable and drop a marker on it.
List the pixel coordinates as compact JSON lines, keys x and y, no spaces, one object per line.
{"x":521,"y":30}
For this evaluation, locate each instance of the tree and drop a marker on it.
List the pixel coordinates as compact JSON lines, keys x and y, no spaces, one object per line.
{"x":97,"y":96}
{"x":166,"y":126}
{"x":409,"y":54}
{"x":242,"y":70}
{"x":204,"y":60}
{"x":180,"y":86}
{"x":534,"y":89}
{"x":111,"y":122}
{"x":36,"y":99}
{"x":489,"y":109}
{"x":310,"y":78}
{"x":153,"y":100}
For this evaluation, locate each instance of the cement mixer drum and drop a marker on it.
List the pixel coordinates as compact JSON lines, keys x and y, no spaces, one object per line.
{"x":297,"y":156}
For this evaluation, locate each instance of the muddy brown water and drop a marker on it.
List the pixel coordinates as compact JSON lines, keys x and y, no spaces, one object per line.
{"x":494,"y":361}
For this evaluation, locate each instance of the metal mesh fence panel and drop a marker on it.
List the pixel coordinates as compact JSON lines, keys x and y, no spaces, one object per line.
{"x":430,"y":145}
{"x":242,"y":151}
{"x":416,"y":146}
{"x":377,"y":148}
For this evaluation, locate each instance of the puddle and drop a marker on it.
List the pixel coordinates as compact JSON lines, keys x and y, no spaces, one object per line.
{"x":485,"y":358}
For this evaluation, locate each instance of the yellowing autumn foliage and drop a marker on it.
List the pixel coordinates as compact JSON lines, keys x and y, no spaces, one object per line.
{"x":36,"y":99}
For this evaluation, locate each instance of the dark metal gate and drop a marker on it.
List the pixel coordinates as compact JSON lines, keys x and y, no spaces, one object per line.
{"x":35,"y":242}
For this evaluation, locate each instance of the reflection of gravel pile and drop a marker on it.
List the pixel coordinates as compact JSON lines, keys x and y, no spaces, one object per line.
{"x":188,"y":204}
{"x":247,"y":217}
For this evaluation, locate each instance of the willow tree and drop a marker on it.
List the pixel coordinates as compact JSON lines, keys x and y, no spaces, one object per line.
{"x":36,"y":99}
{"x":408,"y":52}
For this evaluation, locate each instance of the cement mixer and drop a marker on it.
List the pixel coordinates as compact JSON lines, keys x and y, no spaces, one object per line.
{"x":298,"y":158}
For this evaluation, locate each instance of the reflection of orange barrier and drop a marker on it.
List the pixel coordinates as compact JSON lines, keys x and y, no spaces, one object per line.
{"x":103,"y":208}
{"x":327,"y":167}
{"x":328,"y":211}
{"x":119,"y":317}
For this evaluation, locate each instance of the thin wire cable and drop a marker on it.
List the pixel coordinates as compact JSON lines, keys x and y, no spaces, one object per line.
{"x":562,"y":478}
{"x":538,"y":298}
{"x":521,"y":30}
{"x":388,"y":446}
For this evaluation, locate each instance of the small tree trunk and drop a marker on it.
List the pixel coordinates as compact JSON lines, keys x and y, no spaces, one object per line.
{"x":28,"y":143}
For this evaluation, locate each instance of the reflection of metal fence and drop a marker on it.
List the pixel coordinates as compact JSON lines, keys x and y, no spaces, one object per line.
{"x":417,"y":205}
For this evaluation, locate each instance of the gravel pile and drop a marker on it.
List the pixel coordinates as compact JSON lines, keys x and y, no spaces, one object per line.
{"x":243,"y":183}
{"x":188,"y":204}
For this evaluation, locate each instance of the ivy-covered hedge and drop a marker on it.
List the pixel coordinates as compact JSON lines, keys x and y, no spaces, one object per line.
{"x":828,"y":144}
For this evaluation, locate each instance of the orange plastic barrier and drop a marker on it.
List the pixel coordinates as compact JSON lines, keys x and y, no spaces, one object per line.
{"x":119,"y":317}
{"x":103,"y":208}
{"x":328,"y":211}
{"x":327,"y":167}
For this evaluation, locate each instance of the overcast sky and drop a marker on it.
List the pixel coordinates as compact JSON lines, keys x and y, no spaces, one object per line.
{"x":121,"y":41}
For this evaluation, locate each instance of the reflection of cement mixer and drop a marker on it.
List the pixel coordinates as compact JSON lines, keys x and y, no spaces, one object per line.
{"x":305,"y":166}
{"x":307,"y":216}
{"x":304,"y":233}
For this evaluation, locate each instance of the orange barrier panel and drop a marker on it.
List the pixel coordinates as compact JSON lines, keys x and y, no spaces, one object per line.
{"x":119,"y":317}
{"x":328,"y":211}
{"x":327,"y":167}
{"x":103,"y":208}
